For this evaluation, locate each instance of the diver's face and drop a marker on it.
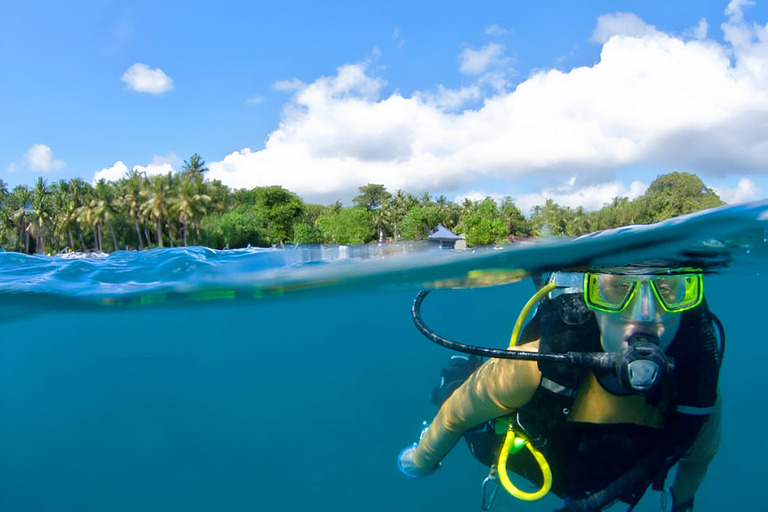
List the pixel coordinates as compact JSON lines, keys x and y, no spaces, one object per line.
{"x":643,"y":315}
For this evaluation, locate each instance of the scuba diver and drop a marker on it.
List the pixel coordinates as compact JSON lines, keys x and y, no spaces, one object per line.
{"x":612,"y":383}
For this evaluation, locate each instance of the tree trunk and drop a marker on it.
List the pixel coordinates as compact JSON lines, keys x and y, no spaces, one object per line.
{"x":39,"y":243}
{"x":21,"y":234}
{"x":146,"y":233}
{"x":138,"y":234}
{"x":114,"y":238}
{"x":71,"y":240}
{"x":159,"y":233}
{"x":80,"y":234}
{"x":185,"y":232}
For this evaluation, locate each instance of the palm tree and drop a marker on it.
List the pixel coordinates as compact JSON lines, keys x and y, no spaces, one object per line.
{"x":87,"y":215}
{"x":203,"y":199}
{"x":40,"y":205}
{"x":3,"y":190}
{"x":397,"y":207}
{"x":467,"y":206}
{"x":447,"y":212}
{"x":106,"y":196}
{"x":79,"y":191}
{"x":195,"y":166}
{"x":172,"y":219}
{"x":145,"y":220}
{"x":156,"y":202}
{"x":23,"y":197}
{"x":67,"y":210}
{"x":58,"y":206}
{"x":131,"y":200}
{"x":190,"y":205}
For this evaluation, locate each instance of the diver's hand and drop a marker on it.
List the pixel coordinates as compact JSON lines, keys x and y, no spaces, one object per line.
{"x":670,"y":504}
{"x":409,"y":468}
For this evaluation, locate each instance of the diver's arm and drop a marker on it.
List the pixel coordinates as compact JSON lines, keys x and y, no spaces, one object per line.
{"x":693,"y":466}
{"x":495,"y":389}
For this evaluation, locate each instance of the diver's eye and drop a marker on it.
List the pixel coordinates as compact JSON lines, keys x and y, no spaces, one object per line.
{"x":614,"y":289}
{"x":671,"y":288}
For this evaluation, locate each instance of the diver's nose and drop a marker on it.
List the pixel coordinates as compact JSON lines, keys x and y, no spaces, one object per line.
{"x":644,"y":308}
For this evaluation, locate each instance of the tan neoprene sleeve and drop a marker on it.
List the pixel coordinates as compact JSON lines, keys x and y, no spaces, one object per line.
{"x":495,"y":389}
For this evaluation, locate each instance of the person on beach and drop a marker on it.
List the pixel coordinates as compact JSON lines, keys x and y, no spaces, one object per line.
{"x":593,"y":436}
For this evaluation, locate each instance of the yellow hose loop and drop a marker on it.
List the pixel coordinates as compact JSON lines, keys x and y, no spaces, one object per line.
{"x":526,"y":309}
{"x":504,"y":477}
{"x":509,"y":441}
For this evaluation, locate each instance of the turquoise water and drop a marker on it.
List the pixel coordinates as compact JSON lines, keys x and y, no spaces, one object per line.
{"x":197,"y":380}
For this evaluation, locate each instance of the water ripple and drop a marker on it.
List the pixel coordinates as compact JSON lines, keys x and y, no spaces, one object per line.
{"x":709,"y":240}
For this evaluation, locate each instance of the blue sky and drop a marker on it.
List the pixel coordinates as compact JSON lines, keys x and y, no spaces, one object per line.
{"x":578,"y":101}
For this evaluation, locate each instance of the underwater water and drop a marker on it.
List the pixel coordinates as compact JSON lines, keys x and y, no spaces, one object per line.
{"x":196,"y":380}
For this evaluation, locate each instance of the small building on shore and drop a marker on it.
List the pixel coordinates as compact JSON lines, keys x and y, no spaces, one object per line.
{"x":444,"y":237}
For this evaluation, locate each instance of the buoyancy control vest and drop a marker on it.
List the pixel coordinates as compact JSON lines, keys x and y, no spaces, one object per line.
{"x":592,"y":462}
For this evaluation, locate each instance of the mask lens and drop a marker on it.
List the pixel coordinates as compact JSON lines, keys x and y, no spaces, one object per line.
{"x":607,"y":292}
{"x":678,"y":293}
{"x":671,"y":289}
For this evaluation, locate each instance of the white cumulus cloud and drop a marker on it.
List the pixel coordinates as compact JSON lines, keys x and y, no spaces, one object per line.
{"x":169,"y":158}
{"x":621,"y":24}
{"x":745,"y":191}
{"x":154,"y":169}
{"x":479,"y":195}
{"x":397,"y":37}
{"x":288,"y":85}
{"x":475,"y":62}
{"x":495,"y":30}
{"x":591,"y":197}
{"x":450,"y":99}
{"x":113,"y":173}
{"x":161,"y":165}
{"x":40,"y":158}
{"x":141,"y":78}
{"x":653,"y":98}
{"x":699,"y":31}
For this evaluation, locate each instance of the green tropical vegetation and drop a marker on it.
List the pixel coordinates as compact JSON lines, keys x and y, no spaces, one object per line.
{"x":142,"y":212}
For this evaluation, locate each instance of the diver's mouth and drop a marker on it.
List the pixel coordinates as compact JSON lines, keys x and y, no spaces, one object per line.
{"x":653,"y":330}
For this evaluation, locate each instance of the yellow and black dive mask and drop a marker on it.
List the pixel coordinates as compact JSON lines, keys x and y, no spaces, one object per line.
{"x":612,"y":293}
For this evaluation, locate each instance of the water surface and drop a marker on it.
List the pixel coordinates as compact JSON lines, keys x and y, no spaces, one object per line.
{"x":198,"y":380}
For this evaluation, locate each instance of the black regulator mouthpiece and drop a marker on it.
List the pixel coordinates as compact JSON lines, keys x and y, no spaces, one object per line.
{"x":638,"y":369}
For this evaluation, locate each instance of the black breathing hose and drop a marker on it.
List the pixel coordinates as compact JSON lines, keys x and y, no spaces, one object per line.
{"x":591,"y":360}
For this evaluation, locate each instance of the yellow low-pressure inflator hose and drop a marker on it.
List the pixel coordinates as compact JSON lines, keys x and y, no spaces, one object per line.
{"x":526,"y":309}
{"x":515,"y":441}
{"x":512,"y":444}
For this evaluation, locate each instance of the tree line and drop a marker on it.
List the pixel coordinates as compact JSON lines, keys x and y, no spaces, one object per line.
{"x":178,"y":209}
